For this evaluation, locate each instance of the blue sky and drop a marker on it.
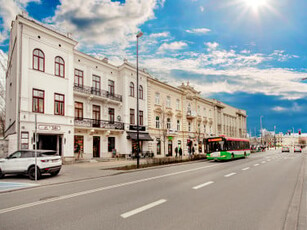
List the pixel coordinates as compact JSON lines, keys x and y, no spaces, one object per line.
{"x":251,"y":54}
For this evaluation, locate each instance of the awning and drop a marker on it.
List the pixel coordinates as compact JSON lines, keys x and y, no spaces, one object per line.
{"x":142,"y":136}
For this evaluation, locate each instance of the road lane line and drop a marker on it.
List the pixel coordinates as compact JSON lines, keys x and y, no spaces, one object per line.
{"x":263,"y":162}
{"x":203,"y":185}
{"x":246,"y":168}
{"x":256,"y":164}
{"x":28,"y":205}
{"x":142,"y":209}
{"x":230,"y":174}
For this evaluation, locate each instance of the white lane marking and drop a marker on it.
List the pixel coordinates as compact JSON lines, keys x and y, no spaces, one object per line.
{"x":256,"y":164}
{"x":142,"y":209}
{"x":5,"y":210}
{"x":246,"y":168}
{"x":269,"y":160}
{"x":263,"y":162}
{"x":203,"y":185}
{"x":230,"y":174}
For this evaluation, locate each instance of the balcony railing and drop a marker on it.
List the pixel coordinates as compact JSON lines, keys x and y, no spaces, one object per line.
{"x":97,"y":92}
{"x":87,"y":122}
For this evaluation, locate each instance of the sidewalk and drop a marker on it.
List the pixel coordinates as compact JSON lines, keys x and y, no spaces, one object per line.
{"x":81,"y":170}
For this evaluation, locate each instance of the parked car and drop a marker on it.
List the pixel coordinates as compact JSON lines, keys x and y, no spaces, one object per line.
{"x":285,"y":149}
{"x":297,"y":149}
{"x":23,"y":162}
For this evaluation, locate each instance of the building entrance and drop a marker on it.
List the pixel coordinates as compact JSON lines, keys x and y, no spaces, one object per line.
{"x":96,"y":146}
{"x":50,"y":142}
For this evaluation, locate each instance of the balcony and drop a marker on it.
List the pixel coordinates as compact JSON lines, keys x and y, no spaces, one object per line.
{"x":191,"y":114}
{"x":171,"y":132}
{"x":97,"y":92}
{"x":87,"y":122}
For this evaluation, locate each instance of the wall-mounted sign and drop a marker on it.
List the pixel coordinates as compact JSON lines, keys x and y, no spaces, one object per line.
{"x":134,"y":127}
{"x":49,"y":127}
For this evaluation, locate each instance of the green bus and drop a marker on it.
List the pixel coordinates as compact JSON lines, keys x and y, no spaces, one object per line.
{"x":227,"y":148}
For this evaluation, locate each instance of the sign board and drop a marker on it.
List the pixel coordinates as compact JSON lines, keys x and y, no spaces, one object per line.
{"x":135,"y":128}
{"x":49,"y":127}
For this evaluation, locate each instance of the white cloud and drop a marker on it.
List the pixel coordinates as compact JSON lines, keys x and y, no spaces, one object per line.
{"x":104,"y":22}
{"x":172,"y":46}
{"x":294,"y":108}
{"x":159,"y":35}
{"x":8,"y":11}
{"x":199,"y":31}
{"x":202,"y":9}
{"x":211,"y":45}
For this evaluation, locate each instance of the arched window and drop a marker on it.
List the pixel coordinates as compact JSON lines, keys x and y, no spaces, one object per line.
{"x":38,"y":60}
{"x":141,"y":92}
{"x":59,"y":67}
{"x":131,"y":89}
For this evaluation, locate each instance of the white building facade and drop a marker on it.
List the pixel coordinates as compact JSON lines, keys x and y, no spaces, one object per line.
{"x":81,"y":102}
{"x":77,"y":99}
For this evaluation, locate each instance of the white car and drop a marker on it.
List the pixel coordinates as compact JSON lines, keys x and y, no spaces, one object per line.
{"x":297,"y":149}
{"x":23,"y":162}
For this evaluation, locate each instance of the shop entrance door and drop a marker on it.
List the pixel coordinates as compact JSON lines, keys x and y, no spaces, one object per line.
{"x":96,"y":146}
{"x":170,"y":148}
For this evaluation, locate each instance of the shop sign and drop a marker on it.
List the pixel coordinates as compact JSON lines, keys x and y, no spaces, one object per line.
{"x":170,"y":138}
{"x":135,"y":128}
{"x":49,"y":127}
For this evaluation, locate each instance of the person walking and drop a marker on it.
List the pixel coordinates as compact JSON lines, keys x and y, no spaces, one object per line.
{"x":176,"y":151}
{"x":180,"y":152}
{"x":78,"y":150}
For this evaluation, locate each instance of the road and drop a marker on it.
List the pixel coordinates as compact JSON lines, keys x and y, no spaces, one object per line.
{"x":264,"y":191}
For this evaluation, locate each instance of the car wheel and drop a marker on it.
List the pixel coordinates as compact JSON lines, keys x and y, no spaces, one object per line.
{"x":55,"y":173}
{"x":31,"y":173}
{"x":1,"y":174}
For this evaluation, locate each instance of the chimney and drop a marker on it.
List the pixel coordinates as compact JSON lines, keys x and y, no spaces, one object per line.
{"x":69,"y":35}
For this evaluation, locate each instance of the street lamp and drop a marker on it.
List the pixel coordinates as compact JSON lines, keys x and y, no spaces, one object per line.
{"x":137,"y":100}
{"x":261,"y":128}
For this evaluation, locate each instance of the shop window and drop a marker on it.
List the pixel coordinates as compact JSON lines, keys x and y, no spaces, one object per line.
{"x":24,"y":140}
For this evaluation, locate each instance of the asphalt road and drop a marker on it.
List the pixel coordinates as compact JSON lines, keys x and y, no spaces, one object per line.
{"x":264,"y":191}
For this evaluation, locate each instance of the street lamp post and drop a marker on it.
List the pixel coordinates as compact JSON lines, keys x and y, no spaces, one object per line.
{"x":261,"y":128}
{"x":137,"y":101}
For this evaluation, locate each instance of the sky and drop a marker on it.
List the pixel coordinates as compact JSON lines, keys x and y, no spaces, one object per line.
{"x":250,"y":54}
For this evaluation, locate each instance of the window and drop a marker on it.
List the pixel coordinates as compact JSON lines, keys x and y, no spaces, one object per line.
{"x":78,"y":78}
{"x":189,"y":126}
{"x":189,"y":107}
{"x":177,"y":104}
{"x":168,"y":123}
{"x":96,"y":82}
{"x":59,"y":104}
{"x":131,"y":89}
{"x":111,"y":87}
{"x":158,"y":146}
{"x":204,"y":112}
{"x":24,"y":140}
{"x":157,"y":122}
{"x":205,"y":129}
{"x":111,"y":115}
{"x":141,"y":92}
{"x":198,"y":127}
{"x":59,"y":67}
{"x":38,"y":101}
{"x":178,"y":125}
{"x":38,"y":60}
{"x":157,"y":98}
{"x":141,"y":118}
{"x":111,"y":144}
{"x":168,"y":101}
{"x":78,"y":110}
{"x":96,"y":116}
{"x":132,"y":116}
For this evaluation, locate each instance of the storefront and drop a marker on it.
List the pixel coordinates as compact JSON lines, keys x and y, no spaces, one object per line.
{"x":142,"y":137}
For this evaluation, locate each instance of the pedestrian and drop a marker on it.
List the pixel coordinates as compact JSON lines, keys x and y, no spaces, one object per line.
{"x":176,"y":151}
{"x":180,"y":152}
{"x":78,"y":150}
{"x":193,"y":150}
